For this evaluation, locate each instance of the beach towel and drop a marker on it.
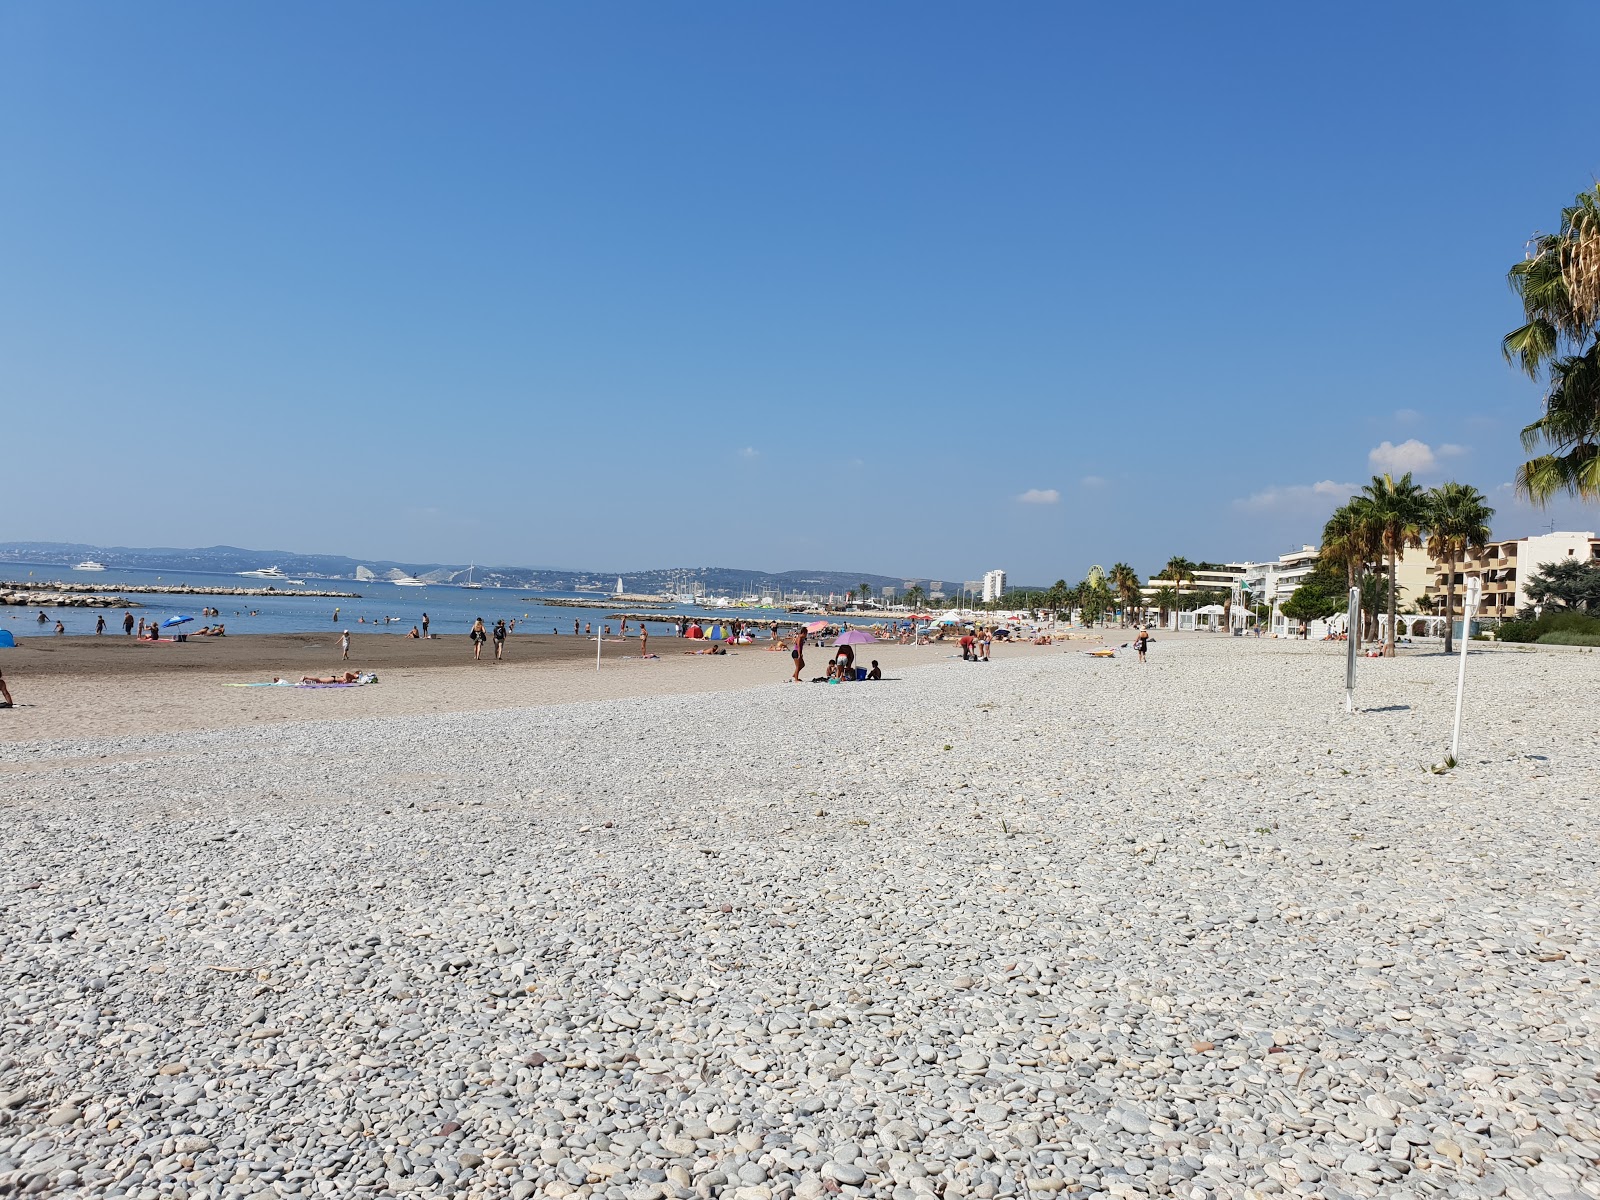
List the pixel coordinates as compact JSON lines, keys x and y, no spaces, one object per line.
{"x":360,"y":681}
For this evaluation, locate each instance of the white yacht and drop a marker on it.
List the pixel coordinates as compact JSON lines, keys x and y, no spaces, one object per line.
{"x":409,"y":581}
{"x":272,"y":573}
{"x":89,"y":564}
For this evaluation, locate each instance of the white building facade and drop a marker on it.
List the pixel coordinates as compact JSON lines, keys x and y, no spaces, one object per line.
{"x":994,"y":586}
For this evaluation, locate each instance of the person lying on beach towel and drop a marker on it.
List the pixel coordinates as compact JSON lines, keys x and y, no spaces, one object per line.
{"x":347,"y":677}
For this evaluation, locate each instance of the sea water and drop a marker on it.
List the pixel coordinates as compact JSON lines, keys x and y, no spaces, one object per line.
{"x":382,"y":608}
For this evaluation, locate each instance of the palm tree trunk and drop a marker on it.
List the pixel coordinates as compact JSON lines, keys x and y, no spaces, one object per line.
{"x":1388,"y":641}
{"x":1450,"y":604}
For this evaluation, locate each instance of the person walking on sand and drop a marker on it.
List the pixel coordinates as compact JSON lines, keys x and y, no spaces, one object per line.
{"x":127,"y":624}
{"x":1142,"y":642}
{"x":424,"y":624}
{"x":499,"y":639}
{"x":344,"y":644}
{"x":141,"y":627}
{"x":799,"y":655}
{"x":99,"y":624}
{"x":479,"y":637}
{"x":644,"y":641}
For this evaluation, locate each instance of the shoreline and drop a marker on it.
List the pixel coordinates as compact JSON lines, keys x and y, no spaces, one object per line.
{"x":70,"y":688}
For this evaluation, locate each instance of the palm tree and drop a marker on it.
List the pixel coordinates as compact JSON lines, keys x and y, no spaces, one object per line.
{"x":1126,"y":580}
{"x":1166,"y":600}
{"x":1177,"y":570}
{"x":1399,"y":510}
{"x":1558,"y":283}
{"x":1458,"y":523}
{"x":1094,"y":595}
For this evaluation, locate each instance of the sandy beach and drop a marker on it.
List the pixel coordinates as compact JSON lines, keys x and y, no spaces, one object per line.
{"x":104,"y":686}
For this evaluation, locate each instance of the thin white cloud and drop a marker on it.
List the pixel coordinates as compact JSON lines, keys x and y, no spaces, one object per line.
{"x":1039,"y":496}
{"x":1450,"y":450}
{"x":749,"y":452}
{"x":1409,"y":455}
{"x":1092,"y":481}
{"x":1406,"y":416}
{"x":1323,"y":496}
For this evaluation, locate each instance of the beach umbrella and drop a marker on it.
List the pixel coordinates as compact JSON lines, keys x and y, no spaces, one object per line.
{"x":171,"y":621}
{"x":854,"y":637}
{"x":715,"y":633}
{"x":816,"y":627}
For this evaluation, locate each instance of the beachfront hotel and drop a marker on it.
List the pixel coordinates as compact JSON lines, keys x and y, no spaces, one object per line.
{"x":994,"y":586}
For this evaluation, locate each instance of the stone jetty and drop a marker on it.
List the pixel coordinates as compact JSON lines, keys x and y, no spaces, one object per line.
{"x":176,"y":589}
{"x":41,"y":598}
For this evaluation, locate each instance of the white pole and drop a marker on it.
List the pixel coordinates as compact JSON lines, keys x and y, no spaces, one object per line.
{"x":1468,"y":610}
{"x":597,"y":629}
{"x":1352,"y":643}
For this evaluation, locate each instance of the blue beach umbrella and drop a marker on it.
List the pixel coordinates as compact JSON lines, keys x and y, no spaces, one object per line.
{"x":171,"y":621}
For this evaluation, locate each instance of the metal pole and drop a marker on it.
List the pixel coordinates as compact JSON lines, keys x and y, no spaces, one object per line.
{"x":1352,"y":635}
{"x":597,"y":628}
{"x":1468,"y":609}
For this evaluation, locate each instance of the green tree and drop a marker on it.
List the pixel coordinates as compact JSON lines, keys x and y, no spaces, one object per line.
{"x":1126,"y":582}
{"x":1094,"y":596}
{"x":1177,"y":571}
{"x":1351,"y":538}
{"x":1458,"y":523}
{"x":1399,"y":510}
{"x":1570,"y":584}
{"x":915,"y":596}
{"x":1558,"y":282}
{"x":1318,"y":596}
{"x":1166,"y":601}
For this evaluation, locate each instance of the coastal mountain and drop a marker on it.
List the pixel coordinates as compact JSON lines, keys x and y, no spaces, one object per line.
{"x":231,"y":559}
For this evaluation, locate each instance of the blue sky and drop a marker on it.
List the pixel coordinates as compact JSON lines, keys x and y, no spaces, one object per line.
{"x":919,"y":289}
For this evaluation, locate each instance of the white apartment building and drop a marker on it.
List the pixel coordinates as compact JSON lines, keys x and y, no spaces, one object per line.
{"x":1274,"y":581}
{"x":1206,"y":579}
{"x":994,"y":586}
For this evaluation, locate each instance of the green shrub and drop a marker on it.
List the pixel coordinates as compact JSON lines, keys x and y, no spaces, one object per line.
{"x":1552,"y":629}
{"x":1567,"y":638}
{"x":1517,"y":631}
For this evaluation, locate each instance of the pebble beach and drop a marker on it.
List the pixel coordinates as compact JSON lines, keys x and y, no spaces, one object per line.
{"x":1048,"y":925}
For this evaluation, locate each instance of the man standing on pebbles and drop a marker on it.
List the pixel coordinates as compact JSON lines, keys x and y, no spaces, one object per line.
{"x":344,"y":644}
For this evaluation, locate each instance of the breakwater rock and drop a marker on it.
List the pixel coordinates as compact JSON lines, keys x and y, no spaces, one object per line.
{"x":46,"y":599}
{"x":173,"y":589}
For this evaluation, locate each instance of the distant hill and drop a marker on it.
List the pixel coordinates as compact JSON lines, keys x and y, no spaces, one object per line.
{"x":228,"y":559}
